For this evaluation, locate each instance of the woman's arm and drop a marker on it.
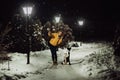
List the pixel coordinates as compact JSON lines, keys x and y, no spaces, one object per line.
{"x":49,"y":33}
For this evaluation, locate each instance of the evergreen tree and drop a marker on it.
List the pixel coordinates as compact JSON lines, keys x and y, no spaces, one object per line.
{"x":66,"y":30}
{"x":4,"y":45}
{"x":116,"y":47}
{"x":38,"y":41}
{"x":19,"y":35}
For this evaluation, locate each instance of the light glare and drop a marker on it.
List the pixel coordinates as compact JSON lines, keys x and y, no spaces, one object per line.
{"x":27,"y":10}
{"x":57,"y":19}
{"x":80,"y":23}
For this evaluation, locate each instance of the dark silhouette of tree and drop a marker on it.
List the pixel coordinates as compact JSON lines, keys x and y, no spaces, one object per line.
{"x":116,"y":47}
{"x":38,"y":41}
{"x":116,"y":42}
{"x":5,"y":45}
{"x":19,"y":35}
{"x":66,"y":30}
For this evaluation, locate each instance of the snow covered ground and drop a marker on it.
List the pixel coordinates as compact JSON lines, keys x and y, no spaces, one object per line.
{"x":40,"y":61}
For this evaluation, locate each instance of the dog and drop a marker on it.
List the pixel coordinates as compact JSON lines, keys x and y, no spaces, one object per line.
{"x":67,"y":57}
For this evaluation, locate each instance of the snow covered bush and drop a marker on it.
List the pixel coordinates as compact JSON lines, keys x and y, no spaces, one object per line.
{"x":102,"y":58}
{"x":104,"y":63}
{"x":4,"y":55}
{"x":109,"y":74}
{"x":11,"y":77}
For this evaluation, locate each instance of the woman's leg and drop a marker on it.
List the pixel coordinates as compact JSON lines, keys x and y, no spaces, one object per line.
{"x":53,"y":54}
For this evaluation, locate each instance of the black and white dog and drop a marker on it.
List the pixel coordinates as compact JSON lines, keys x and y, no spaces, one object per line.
{"x":67,"y":57}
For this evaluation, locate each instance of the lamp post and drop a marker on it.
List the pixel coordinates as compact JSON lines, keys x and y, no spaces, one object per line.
{"x":80,"y":23}
{"x":27,"y":11}
{"x":57,"y":19}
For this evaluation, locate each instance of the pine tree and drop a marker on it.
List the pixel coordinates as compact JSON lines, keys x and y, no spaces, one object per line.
{"x":4,"y":46}
{"x":37,"y":38}
{"x":116,"y":47}
{"x":19,"y":35}
{"x":66,"y":30}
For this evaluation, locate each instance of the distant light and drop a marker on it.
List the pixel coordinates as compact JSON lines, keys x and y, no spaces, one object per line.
{"x":57,"y":19}
{"x":27,"y":10}
{"x":81,"y":22}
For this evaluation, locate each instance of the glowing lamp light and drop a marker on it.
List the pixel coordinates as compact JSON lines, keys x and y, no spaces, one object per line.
{"x":57,"y":19}
{"x":81,"y":22}
{"x":27,"y":10}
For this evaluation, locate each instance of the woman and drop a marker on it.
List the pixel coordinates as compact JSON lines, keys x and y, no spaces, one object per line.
{"x":55,"y":41}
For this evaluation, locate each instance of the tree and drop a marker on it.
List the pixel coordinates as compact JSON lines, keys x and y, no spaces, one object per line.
{"x":37,"y":37}
{"x":116,"y":47}
{"x":5,"y":45}
{"x":19,"y":35}
{"x":66,"y":30}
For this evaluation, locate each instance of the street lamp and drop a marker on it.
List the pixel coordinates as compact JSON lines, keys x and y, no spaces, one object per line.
{"x":81,"y":22}
{"x":57,"y":19}
{"x":27,"y":11}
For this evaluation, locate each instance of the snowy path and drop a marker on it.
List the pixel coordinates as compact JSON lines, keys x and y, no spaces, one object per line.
{"x":76,"y":71}
{"x":40,"y":61}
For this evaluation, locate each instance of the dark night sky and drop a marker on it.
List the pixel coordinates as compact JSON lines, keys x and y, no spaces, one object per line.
{"x":93,"y":9}
{"x":100,"y":13}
